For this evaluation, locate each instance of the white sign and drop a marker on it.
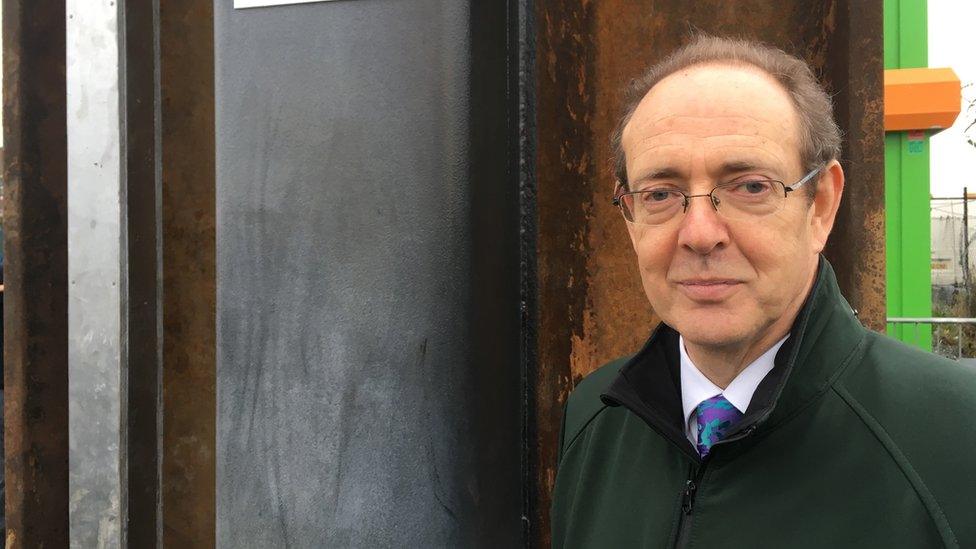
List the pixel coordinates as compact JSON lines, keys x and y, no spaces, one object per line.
{"x":238,"y":4}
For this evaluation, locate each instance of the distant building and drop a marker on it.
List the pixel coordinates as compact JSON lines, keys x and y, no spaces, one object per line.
{"x":948,"y":246}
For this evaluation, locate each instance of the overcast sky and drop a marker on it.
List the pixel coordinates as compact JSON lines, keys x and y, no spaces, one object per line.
{"x":951,"y":29}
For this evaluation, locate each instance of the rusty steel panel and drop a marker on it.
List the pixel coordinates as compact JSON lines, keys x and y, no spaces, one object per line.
{"x":189,"y":287}
{"x":855,"y":72}
{"x":36,"y":265}
{"x":592,"y":307}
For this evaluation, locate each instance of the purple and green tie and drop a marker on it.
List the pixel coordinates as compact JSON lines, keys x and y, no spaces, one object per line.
{"x":715,"y":417}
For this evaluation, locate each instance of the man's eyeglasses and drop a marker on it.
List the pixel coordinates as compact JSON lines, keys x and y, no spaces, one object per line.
{"x":746,"y":198}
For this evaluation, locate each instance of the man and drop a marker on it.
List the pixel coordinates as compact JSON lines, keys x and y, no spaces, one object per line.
{"x":760,"y":413}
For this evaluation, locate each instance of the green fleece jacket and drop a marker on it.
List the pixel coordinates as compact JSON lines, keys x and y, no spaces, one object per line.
{"x":852,"y":440}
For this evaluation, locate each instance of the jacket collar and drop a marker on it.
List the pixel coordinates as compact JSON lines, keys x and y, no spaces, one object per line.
{"x":649,"y":384}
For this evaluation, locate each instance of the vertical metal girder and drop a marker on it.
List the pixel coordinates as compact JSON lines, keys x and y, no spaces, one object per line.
{"x":853,"y":66}
{"x":908,"y":225}
{"x":493,"y":173}
{"x":140,"y":122}
{"x":522,"y":37}
{"x":565,"y":176}
{"x":113,"y":232}
{"x":96,"y":355}
{"x":36,"y":277}
{"x":189,"y":288}
{"x":592,"y":307}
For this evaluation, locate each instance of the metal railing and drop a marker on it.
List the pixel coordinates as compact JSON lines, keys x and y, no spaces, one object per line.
{"x":941,"y":335}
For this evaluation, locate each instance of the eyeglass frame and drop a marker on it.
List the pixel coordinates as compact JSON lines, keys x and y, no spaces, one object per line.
{"x":787,"y":189}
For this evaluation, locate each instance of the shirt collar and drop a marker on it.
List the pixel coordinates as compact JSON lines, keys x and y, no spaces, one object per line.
{"x":696,"y":388}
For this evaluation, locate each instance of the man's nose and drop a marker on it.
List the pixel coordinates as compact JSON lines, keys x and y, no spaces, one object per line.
{"x":702,"y":229}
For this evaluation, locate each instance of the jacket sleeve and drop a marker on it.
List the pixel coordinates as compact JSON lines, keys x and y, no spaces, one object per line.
{"x":562,"y":436}
{"x":584,"y":403}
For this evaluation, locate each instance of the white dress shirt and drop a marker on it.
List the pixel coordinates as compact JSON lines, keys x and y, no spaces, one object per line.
{"x":696,"y":388}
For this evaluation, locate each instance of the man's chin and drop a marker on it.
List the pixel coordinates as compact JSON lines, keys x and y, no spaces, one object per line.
{"x":713,"y":340}
{"x":711,"y":332}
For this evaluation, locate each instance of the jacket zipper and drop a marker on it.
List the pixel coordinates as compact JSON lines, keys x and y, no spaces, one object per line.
{"x":692,"y":486}
{"x":688,"y":504}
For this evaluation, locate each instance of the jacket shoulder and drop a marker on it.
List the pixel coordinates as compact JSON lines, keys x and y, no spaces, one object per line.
{"x":921,"y":407}
{"x":584,"y":401}
{"x":891,"y":369}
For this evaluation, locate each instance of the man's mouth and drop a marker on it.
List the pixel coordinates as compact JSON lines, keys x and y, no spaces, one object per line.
{"x":708,"y":281}
{"x":708,"y":289}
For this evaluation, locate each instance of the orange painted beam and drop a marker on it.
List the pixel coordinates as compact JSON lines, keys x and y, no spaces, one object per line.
{"x":921,"y":99}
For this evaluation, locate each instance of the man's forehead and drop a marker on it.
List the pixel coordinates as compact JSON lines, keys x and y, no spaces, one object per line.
{"x":665,"y":125}
{"x":721,"y":96}
{"x":710,"y":110}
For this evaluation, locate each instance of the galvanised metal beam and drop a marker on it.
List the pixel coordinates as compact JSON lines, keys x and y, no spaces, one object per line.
{"x":96,"y":252}
{"x":114,"y":321}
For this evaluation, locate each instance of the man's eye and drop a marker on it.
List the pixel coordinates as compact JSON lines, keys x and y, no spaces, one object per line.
{"x":657,"y":196}
{"x":753,"y":187}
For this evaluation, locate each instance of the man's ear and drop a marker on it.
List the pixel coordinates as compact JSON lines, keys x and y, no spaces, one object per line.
{"x":830,"y":187}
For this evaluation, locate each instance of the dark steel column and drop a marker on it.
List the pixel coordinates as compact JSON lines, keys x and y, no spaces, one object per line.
{"x":36,"y":279}
{"x":141,"y":363}
{"x":591,"y":302}
{"x":522,"y":51}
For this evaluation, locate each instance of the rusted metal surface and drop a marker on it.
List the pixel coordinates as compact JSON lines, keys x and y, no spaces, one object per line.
{"x":189,"y":291}
{"x":565,"y":173}
{"x":592,"y":306}
{"x":36,"y":266}
{"x":855,"y":70}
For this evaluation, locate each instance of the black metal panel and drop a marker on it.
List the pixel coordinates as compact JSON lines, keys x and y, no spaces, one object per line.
{"x":367,"y":275}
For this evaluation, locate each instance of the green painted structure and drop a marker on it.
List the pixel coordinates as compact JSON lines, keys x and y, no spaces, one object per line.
{"x":907,"y":196}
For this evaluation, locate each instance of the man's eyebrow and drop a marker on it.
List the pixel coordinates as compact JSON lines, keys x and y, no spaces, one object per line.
{"x":727,"y":168}
{"x":659,"y":173}
{"x":735,"y":166}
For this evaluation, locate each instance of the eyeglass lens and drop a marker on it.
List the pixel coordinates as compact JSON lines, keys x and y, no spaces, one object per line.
{"x":739,"y":200}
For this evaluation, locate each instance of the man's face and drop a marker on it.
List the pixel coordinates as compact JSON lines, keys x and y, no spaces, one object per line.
{"x":722,"y":282}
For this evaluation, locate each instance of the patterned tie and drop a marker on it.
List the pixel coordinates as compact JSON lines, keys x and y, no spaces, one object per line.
{"x":715,"y":416}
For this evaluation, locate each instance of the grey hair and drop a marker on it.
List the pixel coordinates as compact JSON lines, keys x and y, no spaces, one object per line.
{"x":820,"y":137}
